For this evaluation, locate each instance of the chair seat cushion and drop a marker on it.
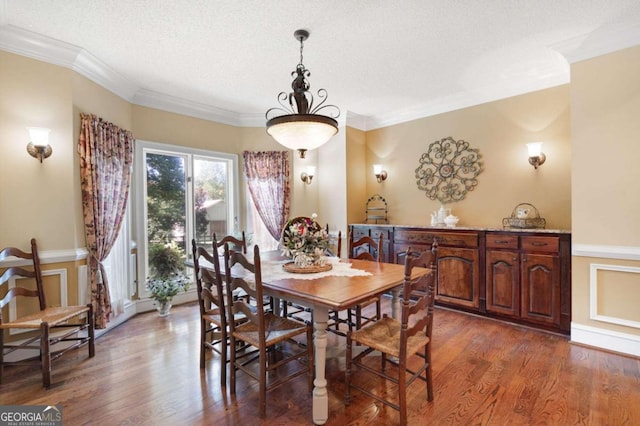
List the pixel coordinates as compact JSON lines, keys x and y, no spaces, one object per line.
{"x":277,"y":329}
{"x":53,"y":316}
{"x":384,"y":336}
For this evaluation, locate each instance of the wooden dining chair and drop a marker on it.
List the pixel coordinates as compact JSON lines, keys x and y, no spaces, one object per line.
{"x":398,"y":340}
{"x":273,"y":335}
{"x":58,"y":329}
{"x":234,"y":242}
{"x":213,"y":315}
{"x":214,"y":326}
{"x":374,"y":253}
{"x":338,"y":245}
{"x":365,"y":248}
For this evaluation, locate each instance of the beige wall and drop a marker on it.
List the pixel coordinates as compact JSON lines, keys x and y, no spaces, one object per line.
{"x":332,"y":191}
{"x":605,"y":124}
{"x":34,"y":197}
{"x":357,"y":194}
{"x":500,"y":131}
{"x":605,"y":99}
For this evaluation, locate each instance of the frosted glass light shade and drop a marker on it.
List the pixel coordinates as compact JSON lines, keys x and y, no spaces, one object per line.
{"x":534,"y":148}
{"x":39,"y":136}
{"x":302,"y":131}
{"x":311,"y":171}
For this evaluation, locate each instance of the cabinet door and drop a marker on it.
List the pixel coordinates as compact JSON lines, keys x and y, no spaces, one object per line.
{"x":401,"y":249}
{"x":503,"y":282}
{"x":458,"y":277}
{"x":541,"y":288}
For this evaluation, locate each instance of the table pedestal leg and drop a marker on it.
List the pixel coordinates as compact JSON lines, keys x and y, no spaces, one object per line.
{"x":320,"y":395}
{"x":395,"y":302}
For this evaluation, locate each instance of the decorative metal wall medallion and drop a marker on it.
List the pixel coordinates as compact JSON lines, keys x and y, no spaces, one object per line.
{"x":448,"y":170}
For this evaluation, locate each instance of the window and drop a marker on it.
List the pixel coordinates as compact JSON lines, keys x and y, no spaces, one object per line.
{"x":182,"y":194}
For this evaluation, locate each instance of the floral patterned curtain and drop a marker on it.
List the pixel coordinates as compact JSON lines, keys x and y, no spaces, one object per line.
{"x":106,"y":158}
{"x":267,"y":174}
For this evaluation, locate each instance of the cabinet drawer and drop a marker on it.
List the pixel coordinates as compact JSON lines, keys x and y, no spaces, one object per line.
{"x":359,"y":232}
{"x":457,"y":239}
{"x":453,"y":239}
{"x":542,"y":244}
{"x":502,"y":241}
{"x":375,"y":233}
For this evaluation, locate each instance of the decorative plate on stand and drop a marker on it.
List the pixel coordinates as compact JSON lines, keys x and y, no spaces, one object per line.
{"x":311,"y":269}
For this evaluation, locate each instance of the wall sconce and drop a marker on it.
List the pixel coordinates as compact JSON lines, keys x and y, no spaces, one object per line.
{"x":380,"y":174}
{"x":307,"y":176}
{"x":38,"y":146}
{"x":536,"y":157}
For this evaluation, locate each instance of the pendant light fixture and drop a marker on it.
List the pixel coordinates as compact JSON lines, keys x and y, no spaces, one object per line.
{"x":299,"y":126}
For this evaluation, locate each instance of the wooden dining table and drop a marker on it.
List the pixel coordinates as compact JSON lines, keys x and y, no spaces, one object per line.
{"x":334,"y":293}
{"x":331,"y":293}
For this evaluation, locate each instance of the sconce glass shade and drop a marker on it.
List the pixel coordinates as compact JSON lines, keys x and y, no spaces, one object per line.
{"x":536,"y":156}
{"x":534,"y":148}
{"x":307,"y":176}
{"x":380,"y":174}
{"x":38,"y":146}
{"x":39,"y":136}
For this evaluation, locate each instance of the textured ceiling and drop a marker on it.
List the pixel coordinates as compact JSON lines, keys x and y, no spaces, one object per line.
{"x":383,"y":60}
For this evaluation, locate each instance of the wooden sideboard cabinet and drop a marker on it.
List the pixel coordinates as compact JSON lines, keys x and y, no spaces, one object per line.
{"x":374,"y":232}
{"x":458,"y":263}
{"x":525,"y":276}
{"x":522,"y":276}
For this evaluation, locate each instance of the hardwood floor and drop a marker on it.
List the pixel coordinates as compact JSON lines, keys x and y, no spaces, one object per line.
{"x":146,"y":371}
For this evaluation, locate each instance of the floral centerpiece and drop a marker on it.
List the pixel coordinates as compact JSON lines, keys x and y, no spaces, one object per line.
{"x":167,"y":275}
{"x":305,"y":241}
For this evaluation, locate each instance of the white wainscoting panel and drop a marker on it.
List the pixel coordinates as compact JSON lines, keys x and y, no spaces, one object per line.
{"x":84,"y":295}
{"x":593,"y":294}
{"x":62,"y":287}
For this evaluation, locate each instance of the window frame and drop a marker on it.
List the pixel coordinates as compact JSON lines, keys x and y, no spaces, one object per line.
{"x":142,"y":147}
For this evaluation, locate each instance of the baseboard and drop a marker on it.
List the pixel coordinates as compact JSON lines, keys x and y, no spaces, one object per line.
{"x":609,"y":340}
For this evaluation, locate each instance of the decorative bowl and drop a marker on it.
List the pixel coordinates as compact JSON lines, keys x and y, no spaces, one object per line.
{"x":451,"y":221}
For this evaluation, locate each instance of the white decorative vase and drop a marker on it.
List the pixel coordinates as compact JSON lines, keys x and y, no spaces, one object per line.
{"x":163,"y":308}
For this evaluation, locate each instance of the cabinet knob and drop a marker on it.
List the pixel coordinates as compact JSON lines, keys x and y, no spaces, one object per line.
{"x":515,"y":259}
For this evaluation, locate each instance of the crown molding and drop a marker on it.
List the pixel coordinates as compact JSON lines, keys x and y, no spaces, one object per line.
{"x":33,"y":45}
{"x":27,"y":43}
{"x":97,"y":71}
{"x":467,"y":99}
{"x":157,"y":100}
{"x":599,"y":42}
{"x":3,"y":13}
{"x":357,"y":121}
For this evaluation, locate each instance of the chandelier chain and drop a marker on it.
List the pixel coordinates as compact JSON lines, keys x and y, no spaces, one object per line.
{"x":301,"y":48}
